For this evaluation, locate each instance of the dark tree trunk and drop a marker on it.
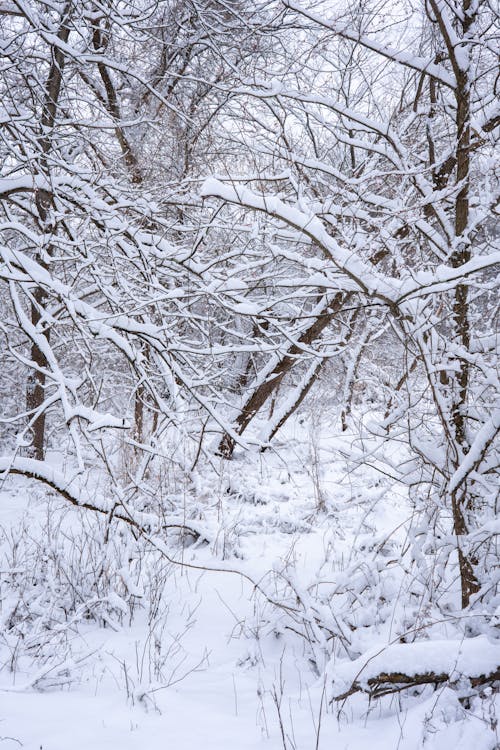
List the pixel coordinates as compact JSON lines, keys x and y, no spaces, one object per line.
{"x":35,"y":390}
{"x":262,"y":392}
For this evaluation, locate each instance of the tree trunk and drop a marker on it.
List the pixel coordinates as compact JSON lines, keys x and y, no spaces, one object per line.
{"x":35,"y":389}
{"x":263,"y":391}
{"x":457,"y":380}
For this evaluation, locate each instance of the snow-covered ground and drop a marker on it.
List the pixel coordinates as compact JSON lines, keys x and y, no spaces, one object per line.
{"x":297,"y":593}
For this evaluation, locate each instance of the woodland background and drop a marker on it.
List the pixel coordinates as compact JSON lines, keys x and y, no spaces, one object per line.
{"x":249,"y":372}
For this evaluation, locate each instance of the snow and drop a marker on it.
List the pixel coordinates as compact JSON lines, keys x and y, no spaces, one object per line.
{"x":209,"y":669}
{"x":469,"y":658}
{"x":473,"y":459}
{"x":345,"y":260}
{"x":408,"y":59}
{"x":153,"y":592}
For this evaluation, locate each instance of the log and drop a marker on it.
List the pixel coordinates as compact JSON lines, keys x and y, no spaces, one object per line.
{"x":386,"y":683}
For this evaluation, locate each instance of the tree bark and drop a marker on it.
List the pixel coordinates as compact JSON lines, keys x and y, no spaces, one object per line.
{"x":263,"y":391}
{"x":35,"y":389}
{"x":458,"y":381}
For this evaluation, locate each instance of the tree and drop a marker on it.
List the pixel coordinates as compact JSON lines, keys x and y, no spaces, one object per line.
{"x":395,"y":197}
{"x":107,"y":113}
{"x":355,"y":217}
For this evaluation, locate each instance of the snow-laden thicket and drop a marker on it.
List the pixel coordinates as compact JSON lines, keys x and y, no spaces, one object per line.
{"x":249,"y":392}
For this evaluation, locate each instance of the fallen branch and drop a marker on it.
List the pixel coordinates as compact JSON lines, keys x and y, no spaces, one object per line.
{"x":386,"y":683}
{"x":139,"y":521}
{"x":400,"y":666}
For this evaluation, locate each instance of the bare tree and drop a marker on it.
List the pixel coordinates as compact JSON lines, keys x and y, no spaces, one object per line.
{"x":101,"y":144}
{"x":414,"y":193}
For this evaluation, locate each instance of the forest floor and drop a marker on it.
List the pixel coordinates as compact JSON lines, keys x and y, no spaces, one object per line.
{"x":189,"y":658}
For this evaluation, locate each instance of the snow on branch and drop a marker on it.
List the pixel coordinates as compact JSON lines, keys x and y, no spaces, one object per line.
{"x":406,"y":665}
{"x":346,"y":261}
{"x":67,"y":488}
{"x":409,"y":60}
